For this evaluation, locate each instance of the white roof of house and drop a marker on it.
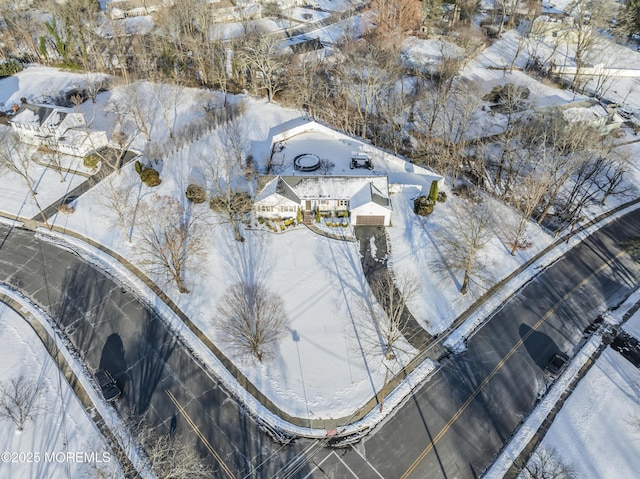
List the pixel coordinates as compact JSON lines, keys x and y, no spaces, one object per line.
{"x":358,"y":190}
{"x":369,"y":194}
{"x":41,"y":115}
{"x":277,"y":186}
{"x":333,"y":187}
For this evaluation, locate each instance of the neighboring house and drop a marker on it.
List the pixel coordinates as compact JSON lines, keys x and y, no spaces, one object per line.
{"x":563,"y":29}
{"x":366,"y":198}
{"x":311,"y":50}
{"x":586,"y":111}
{"x":57,"y":128}
{"x":120,"y":9}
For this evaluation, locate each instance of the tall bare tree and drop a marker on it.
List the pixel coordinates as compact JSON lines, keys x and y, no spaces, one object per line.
{"x":545,"y":464}
{"x":15,"y":157}
{"x":384,"y":328}
{"x":265,"y":62}
{"x":19,"y":400}
{"x":588,"y":17}
{"x":171,"y":239}
{"x":530,"y":190}
{"x":120,"y":197}
{"x":171,"y":455}
{"x":468,"y":233}
{"x":251,"y":319}
{"x":226,"y":174}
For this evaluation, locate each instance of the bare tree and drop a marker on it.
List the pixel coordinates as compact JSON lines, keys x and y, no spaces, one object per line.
{"x":171,"y":239}
{"x":120,"y":201}
{"x":175,"y":457}
{"x":265,"y":63}
{"x":395,"y":21}
{"x":530,"y":190}
{"x":19,"y":400}
{"x":326,"y":166}
{"x":134,"y":110}
{"x":15,"y":158}
{"x":54,"y":159}
{"x":588,"y":16}
{"x":167,"y":97}
{"x":545,"y":464}
{"x":228,"y":188}
{"x":251,"y":319}
{"x":468,"y":233}
{"x":384,"y":326}
{"x":171,"y":456}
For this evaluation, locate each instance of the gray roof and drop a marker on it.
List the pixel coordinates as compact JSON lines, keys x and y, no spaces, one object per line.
{"x":378,"y":197}
{"x":282,"y":188}
{"x":41,"y":113}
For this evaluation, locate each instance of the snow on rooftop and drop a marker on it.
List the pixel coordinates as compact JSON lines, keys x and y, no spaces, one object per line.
{"x":27,"y":116}
{"x":583,"y":114}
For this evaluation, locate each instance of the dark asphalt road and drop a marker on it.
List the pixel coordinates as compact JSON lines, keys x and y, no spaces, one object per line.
{"x":457,"y":422}
{"x":114,"y":331}
{"x":451,"y":427}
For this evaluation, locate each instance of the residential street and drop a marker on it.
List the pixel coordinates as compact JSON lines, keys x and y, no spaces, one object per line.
{"x":451,"y":427}
{"x":157,"y":373}
{"x":455,"y":423}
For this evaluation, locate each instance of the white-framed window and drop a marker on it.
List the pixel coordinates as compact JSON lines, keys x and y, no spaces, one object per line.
{"x":288,"y":208}
{"x":325,"y":202}
{"x":265,"y":209}
{"x":344,"y":203}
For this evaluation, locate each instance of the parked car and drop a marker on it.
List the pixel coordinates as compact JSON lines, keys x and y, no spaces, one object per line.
{"x":625,"y":113}
{"x":556,"y":364}
{"x":108,"y":385}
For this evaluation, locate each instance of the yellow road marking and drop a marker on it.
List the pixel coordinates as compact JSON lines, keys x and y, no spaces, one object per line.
{"x":466,"y":404}
{"x":204,"y":440}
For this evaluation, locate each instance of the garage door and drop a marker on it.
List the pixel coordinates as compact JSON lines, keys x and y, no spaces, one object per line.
{"x":370,"y":220}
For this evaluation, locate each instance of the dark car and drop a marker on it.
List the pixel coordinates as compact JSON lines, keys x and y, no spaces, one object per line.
{"x":108,"y":386}
{"x":556,"y":364}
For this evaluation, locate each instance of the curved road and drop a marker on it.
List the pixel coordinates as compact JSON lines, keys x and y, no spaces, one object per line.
{"x":452,"y":426}
{"x":158,"y":374}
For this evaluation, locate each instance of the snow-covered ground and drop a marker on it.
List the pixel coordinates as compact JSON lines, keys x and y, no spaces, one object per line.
{"x":594,"y":432}
{"x":322,"y":368}
{"x":60,"y":425}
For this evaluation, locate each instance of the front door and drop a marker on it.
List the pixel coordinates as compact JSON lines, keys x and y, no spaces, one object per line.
{"x":307,"y":205}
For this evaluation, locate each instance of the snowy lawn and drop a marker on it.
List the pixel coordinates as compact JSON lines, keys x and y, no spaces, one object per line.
{"x":417,"y":251}
{"x":594,"y":432}
{"x":326,"y":365}
{"x":60,"y":424}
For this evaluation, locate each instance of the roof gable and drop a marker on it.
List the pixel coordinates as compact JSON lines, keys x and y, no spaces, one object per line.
{"x":40,"y":115}
{"x":333,"y":187}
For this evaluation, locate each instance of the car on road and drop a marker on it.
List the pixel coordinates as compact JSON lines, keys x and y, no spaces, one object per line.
{"x":108,"y":385}
{"x":556,"y":364}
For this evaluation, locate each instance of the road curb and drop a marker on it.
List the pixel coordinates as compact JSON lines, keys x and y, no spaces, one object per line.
{"x":527,"y":451}
{"x":331,"y":424}
{"x":72,"y":379}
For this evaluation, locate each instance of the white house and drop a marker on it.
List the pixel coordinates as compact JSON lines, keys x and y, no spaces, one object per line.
{"x":366,"y":198}
{"x":119,"y":9}
{"x":57,"y":128}
{"x":588,"y":111}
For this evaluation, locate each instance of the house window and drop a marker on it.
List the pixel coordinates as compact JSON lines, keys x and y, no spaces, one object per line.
{"x":325,"y":202}
{"x":288,"y":208}
{"x":344,"y":203}
{"x":266,"y":209}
